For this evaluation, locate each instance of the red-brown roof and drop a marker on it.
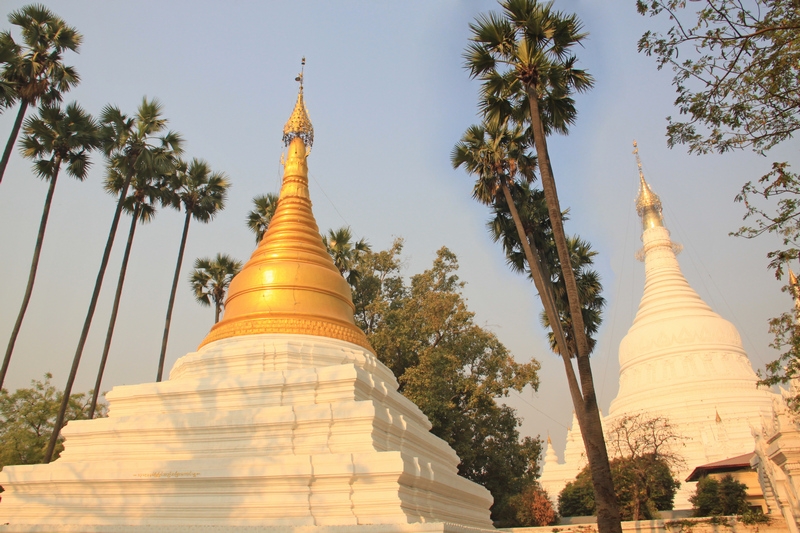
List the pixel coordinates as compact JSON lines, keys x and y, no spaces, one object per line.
{"x":726,"y":465}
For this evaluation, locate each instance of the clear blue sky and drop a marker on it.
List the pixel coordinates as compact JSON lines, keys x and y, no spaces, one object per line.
{"x":388,"y":97}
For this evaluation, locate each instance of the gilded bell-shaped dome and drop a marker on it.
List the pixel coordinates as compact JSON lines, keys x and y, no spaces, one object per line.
{"x":290,"y":284}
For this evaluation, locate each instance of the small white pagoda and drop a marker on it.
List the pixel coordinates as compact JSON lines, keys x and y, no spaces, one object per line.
{"x":283,"y":420}
{"x":680,"y":360}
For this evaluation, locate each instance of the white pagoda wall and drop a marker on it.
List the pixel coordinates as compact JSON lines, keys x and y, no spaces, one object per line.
{"x":683,"y":361}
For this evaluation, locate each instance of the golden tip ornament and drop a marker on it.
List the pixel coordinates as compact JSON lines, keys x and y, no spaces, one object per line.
{"x":648,"y":204}
{"x":299,"y":125}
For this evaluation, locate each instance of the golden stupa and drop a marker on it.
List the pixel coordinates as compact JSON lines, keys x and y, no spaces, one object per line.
{"x":290,"y":284}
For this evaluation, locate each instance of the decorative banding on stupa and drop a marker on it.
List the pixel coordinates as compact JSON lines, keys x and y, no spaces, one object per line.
{"x":293,"y":325}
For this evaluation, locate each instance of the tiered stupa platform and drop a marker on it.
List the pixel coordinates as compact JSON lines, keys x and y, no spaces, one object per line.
{"x":283,"y":420}
{"x":267,"y":430}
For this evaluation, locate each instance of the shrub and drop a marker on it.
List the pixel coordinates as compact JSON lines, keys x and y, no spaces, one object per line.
{"x":533,"y":507}
{"x":719,"y":497}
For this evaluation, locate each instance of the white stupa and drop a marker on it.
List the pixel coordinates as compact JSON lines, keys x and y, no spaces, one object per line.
{"x":283,"y":420}
{"x":680,"y":360}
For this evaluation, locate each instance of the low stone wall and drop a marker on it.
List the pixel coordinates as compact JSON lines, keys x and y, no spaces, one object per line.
{"x":727,"y":524}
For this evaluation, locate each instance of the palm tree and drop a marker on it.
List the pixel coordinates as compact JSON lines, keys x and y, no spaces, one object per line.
{"x":132,"y":145}
{"x":524,"y":59}
{"x":201,"y":193}
{"x":589,"y":292}
{"x":345,"y":252}
{"x":210,"y":279}
{"x":533,"y":212}
{"x":140,"y":204}
{"x":34,"y":69}
{"x":9,"y":52}
{"x":53,"y":138}
{"x":499,"y":156}
{"x":259,"y":218}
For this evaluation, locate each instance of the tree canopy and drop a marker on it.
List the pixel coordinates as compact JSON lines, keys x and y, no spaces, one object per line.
{"x":27,"y":418}
{"x":450,"y":367}
{"x":533,"y":507}
{"x":737,"y":71}
{"x":210,"y":280}
{"x":32,"y":70}
{"x":644,"y":485}
{"x":258,"y":219}
{"x":719,"y":497}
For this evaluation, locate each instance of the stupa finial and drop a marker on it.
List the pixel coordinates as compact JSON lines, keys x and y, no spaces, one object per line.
{"x":648,"y":204}
{"x":299,"y":125}
{"x":794,"y":287}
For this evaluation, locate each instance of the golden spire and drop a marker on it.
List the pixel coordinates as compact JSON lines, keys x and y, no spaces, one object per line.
{"x":299,"y":125}
{"x":290,"y":284}
{"x":648,"y":204}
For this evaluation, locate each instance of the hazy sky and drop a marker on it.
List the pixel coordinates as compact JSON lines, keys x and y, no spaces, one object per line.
{"x":388,"y":96}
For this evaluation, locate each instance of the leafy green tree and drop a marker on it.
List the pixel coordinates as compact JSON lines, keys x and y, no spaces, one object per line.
{"x":450,"y":367}
{"x":53,"y":138}
{"x":33,"y":69}
{"x":637,"y":500}
{"x":736,"y":71}
{"x":201,"y":194}
{"x":719,"y":497}
{"x":146,"y":191}
{"x":782,"y":220}
{"x":523,"y":57}
{"x":210,"y":280}
{"x":379,"y":287}
{"x":258,"y":219}
{"x":577,"y":496}
{"x":345,"y":252}
{"x":27,"y":418}
{"x":133,"y":146}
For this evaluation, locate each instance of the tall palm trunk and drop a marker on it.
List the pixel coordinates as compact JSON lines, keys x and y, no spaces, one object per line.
{"x":32,"y":275}
{"x":114,"y":309}
{"x":554,"y":212}
{"x":217,"y":309}
{"x":172,"y":295}
{"x":585,"y":399}
{"x":62,"y":410}
{"x":23,"y":107}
